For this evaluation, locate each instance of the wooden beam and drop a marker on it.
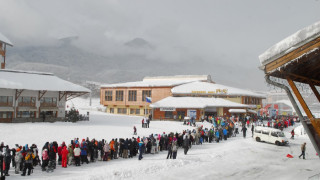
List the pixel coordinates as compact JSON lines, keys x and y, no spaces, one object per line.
{"x":74,"y":95}
{"x":315,"y":91}
{"x":292,"y":55}
{"x":18,"y":93}
{"x":62,"y":94}
{"x":300,"y":98}
{"x":307,"y":80}
{"x":41,"y":94}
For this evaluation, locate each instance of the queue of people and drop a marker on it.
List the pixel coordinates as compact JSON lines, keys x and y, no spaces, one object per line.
{"x":84,"y":151}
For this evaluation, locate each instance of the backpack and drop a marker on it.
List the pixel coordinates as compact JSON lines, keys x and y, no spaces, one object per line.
{"x":45,"y":155}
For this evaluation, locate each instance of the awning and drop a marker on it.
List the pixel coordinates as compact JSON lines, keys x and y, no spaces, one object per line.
{"x":4,"y":109}
{"x":237,"y":111}
{"x":252,"y":111}
{"x":49,"y":109}
{"x":27,"y":109}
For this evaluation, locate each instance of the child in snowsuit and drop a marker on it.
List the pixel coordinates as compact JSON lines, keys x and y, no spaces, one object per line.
{"x":64,"y":156}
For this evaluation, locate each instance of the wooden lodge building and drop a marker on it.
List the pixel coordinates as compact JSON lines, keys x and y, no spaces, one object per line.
{"x":33,"y":96}
{"x":172,"y":96}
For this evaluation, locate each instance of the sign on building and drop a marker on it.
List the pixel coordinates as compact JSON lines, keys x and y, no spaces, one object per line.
{"x":167,"y":109}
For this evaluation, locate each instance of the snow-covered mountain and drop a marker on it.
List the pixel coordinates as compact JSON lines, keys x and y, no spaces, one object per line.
{"x":78,"y":65}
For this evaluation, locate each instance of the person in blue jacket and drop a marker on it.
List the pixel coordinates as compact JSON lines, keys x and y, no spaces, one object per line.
{"x":225,"y":133}
{"x":217,"y":136}
{"x":84,"y":154}
{"x":141,"y":149}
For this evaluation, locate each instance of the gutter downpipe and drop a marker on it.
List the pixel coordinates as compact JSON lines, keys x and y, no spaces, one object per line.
{"x":296,"y":108}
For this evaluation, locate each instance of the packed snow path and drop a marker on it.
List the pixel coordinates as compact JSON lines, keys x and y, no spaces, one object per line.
{"x":236,"y":158}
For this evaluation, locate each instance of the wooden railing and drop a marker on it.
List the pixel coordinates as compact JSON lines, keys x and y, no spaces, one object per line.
{"x":48,"y":104}
{"x":6,"y":104}
{"x":23,"y":104}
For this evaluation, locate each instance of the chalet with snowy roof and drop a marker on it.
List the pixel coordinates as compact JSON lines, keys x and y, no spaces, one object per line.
{"x":178,"y":96}
{"x":4,"y":41}
{"x":34,"y":96}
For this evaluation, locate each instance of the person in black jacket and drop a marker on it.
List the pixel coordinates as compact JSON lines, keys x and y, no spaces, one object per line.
{"x":125,"y":148}
{"x":169,"y":151}
{"x":186,"y":143}
{"x":244,"y":131}
{"x":252,"y":129}
{"x":131,"y":147}
{"x":7,"y":160}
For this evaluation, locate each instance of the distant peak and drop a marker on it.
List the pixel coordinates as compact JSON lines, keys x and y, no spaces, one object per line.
{"x":138,"y":43}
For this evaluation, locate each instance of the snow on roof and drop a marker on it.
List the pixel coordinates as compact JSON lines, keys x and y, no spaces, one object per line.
{"x":286,"y":102}
{"x":5,"y":40}
{"x":211,"y":88}
{"x":194,"y":102}
{"x":12,"y":79}
{"x":162,"y":81}
{"x":291,"y":43}
{"x":180,"y":77}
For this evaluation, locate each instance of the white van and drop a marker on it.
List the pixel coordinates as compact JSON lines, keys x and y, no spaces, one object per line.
{"x":270,"y":135}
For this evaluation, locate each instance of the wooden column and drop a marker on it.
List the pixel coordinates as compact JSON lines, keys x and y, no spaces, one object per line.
{"x":300,"y":98}
{"x":315,"y":91}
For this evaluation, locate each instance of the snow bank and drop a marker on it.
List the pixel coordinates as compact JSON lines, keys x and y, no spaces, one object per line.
{"x":291,"y":43}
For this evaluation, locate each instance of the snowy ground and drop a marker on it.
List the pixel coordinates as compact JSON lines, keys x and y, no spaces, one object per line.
{"x":236,"y":158}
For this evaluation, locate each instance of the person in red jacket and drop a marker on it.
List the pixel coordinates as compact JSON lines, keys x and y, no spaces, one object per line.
{"x":59,"y":154}
{"x":64,"y":153}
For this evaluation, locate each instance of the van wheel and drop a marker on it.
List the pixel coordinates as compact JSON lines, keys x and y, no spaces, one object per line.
{"x":258,"y":139}
{"x":277,"y":143}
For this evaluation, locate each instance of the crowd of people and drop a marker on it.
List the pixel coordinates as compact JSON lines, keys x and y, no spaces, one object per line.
{"x":79,"y":151}
{"x":24,"y":158}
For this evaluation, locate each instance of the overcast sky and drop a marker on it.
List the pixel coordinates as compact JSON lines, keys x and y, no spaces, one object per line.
{"x":230,"y":31}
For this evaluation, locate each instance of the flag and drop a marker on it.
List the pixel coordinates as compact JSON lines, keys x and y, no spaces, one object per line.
{"x":148,"y":99}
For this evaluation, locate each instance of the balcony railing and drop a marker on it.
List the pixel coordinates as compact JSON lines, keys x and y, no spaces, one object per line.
{"x":5,"y":104}
{"x":48,"y":104}
{"x":23,"y":104}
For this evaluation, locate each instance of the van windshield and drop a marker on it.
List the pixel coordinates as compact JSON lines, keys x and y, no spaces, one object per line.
{"x":280,"y":134}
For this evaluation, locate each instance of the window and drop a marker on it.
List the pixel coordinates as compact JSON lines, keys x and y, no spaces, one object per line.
{"x":274,"y":134}
{"x":146,"y":93}
{"x":108,"y":95}
{"x":50,"y":114}
{"x":281,"y":134}
{"x":146,"y":112}
{"x":6,"y":100}
{"x":265,"y":132}
{"x":122,"y":110}
{"x":119,"y":96}
{"x":132,"y":111}
{"x":111,"y":110}
{"x":168,"y":114}
{"x":26,"y":114}
{"x":137,"y":111}
{"x":48,"y":102}
{"x":26,"y":101}
{"x":132,"y":95}
{"x":257,"y":131}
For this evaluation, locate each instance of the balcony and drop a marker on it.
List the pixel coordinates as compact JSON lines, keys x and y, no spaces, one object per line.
{"x":27,"y":104}
{"x":45,"y":104}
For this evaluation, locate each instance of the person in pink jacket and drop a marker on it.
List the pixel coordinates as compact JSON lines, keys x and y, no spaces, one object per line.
{"x":64,"y":153}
